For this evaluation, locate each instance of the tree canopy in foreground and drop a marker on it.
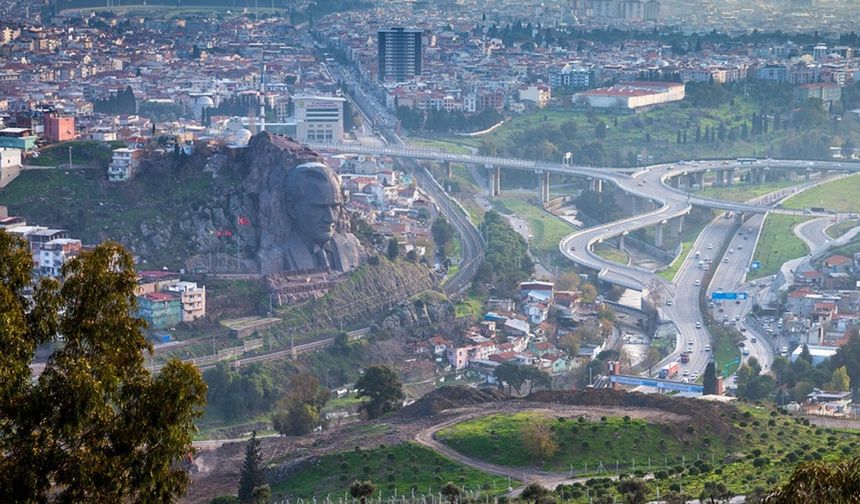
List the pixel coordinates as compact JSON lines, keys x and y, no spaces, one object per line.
{"x":96,"y":426}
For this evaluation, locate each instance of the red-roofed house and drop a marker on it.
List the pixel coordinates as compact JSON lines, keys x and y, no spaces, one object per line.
{"x":838,"y":264}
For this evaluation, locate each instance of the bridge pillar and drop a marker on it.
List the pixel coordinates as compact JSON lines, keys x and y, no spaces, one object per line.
{"x":700,"y":179}
{"x":495,"y":178}
{"x":447,"y":165}
{"x":674,"y":182}
{"x":730,"y":176}
{"x":543,"y":186}
{"x":691,"y":180}
{"x":823,"y":174}
{"x":621,"y":241}
{"x":718,"y":178}
{"x":658,"y":235}
{"x":807,"y":174}
{"x":597,"y":185}
{"x":678,"y":224}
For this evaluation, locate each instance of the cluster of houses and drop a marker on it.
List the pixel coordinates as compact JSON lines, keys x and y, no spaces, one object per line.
{"x":164,"y":301}
{"x":518,"y":332}
{"x":822,"y":306}
{"x":51,"y":248}
{"x":387,"y":199}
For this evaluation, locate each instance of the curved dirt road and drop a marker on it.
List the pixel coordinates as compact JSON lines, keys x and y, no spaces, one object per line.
{"x":525,"y":475}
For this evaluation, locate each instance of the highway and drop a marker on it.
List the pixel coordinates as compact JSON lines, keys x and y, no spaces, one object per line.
{"x":660,"y":202}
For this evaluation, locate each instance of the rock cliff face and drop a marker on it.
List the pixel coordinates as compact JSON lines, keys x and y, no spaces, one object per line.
{"x":257,"y":198}
{"x":384,"y":289}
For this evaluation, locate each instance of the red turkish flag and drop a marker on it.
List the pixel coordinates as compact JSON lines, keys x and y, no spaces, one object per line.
{"x":244,"y":221}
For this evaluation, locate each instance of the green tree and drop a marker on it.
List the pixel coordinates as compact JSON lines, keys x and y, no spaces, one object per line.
{"x":451,"y":491}
{"x":673,"y":497}
{"x":589,"y":293}
{"x":715,"y":493}
{"x":361,"y":490}
{"x":824,"y":482}
{"x":848,"y":355}
{"x":839,"y":379}
{"x":534,"y":492}
{"x":534,"y":377}
{"x":298,"y":420}
{"x":96,"y":426}
{"x":709,"y":379}
{"x":443,"y":232}
{"x":381,"y":385}
{"x":509,"y":374}
{"x":252,"y":470}
{"x":262,"y":494}
{"x":633,"y":490}
{"x":393,"y":249}
{"x":538,"y":441}
{"x":600,"y":130}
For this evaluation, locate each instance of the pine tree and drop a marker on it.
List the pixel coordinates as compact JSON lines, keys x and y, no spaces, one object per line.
{"x":709,"y":380}
{"x":252,"y":473}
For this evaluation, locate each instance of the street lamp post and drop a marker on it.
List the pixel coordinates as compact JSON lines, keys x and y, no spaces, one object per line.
{"x":70,"y":157}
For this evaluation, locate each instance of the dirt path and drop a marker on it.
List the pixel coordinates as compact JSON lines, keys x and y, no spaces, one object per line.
{"x":526,"y":475}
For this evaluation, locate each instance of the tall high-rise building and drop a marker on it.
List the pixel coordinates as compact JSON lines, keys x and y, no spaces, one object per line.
{"x":399,"y":52}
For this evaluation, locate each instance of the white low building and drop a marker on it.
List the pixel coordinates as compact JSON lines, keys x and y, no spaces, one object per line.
{"x":631,"y":95}
{"x":10,"y":165}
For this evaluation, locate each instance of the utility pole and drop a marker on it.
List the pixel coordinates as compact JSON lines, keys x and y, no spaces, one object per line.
{"x":70,"y":157}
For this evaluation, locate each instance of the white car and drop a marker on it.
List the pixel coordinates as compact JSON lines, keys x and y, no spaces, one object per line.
{"x":698,"y":282}
{"x":710,"y":246}
{"x":698,"y":325}
{"x":707,"y":348}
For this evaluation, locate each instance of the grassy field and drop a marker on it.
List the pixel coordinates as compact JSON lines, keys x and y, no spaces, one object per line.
{"x":451,"y":146}
{"x":744,"y":192}
{"x":608,"y":251}
{"x":469,"y":306}
{"x":84,"y":152}
{"x":837,"y":230}
{"x":727,"y":356}
{"x":839,"y":195}
{"x":777,"y":244}
{"x":763,"y":444}
{"x":401,"y":468}
{"x":497,"y":439}
{"x":546,"y":229}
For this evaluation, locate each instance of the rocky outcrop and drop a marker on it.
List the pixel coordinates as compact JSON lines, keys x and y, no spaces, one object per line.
{"x":377,"y":290}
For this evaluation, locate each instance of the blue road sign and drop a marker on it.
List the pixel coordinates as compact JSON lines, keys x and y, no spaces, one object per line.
{"x":755,"y":265}
{"x":660,"y":384}
{"x":730,"y":296}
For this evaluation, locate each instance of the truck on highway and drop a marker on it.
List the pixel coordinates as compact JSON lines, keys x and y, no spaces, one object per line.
{"x":669,"y":370}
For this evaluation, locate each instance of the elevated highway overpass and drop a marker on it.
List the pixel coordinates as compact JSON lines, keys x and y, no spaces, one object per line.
{"x":658,"y":185}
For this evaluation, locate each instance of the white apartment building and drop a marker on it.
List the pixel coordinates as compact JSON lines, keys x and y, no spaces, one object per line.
{"x":192,"y":297}
{"x":55,"y":253}
{"x":124,"y":164}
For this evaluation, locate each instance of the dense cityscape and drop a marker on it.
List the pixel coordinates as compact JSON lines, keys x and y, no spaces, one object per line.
{"x":568,"y":251}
